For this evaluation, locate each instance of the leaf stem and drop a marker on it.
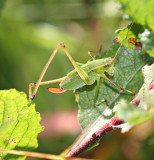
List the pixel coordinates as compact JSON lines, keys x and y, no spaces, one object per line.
{"x":39,"y":155}
{"x":107,"y":127}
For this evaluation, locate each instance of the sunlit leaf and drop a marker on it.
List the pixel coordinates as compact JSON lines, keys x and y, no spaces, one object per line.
{"x":19,"y":123}
{"x":140,"y":12}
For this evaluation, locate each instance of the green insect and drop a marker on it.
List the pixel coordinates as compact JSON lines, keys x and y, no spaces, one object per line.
{"x":83,"y":74}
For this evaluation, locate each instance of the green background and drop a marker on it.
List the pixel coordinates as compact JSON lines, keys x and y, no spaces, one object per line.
{"x":29,"y":32}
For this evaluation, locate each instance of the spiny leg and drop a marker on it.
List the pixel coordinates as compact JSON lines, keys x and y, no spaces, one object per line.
{"x":80,"y":71}
{"x":43,"y":72}
{"x":84,"y":76}
{"x":132,"y":93}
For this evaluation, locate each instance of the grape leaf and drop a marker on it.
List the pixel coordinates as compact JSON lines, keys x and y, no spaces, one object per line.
{"x":144,"y":111}
{"x":19,"y":123}
{"x":140,"y":12}
{"x":127,"y":74}
{"x":133,"y":33}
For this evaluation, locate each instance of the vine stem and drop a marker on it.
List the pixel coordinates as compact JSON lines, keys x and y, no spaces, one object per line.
{"x":39,"y":155}
{"x":107,"y":127}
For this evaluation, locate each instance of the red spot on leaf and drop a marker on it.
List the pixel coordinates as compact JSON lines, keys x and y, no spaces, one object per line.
{"x":138,"y":45}
{"x":132,"y":40}
{"x":7,"y":138}
{"x":135,"y":101}
{"x":12,"y":140}
{"x":116,"y":40}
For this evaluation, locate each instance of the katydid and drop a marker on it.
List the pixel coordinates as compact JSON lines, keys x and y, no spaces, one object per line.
{"x":83,"y":74}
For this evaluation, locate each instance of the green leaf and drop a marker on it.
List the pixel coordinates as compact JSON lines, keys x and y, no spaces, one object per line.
{"x":132,"y":114}
{"x":145,"y":110}
{"x":147,"y":39}
{"x":133,"y":33}
{"x":19,"y":123}
{"x":127,"y":74}
{"x":139,"y":11}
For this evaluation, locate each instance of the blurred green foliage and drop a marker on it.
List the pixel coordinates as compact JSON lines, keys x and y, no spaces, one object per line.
{"x":30,"y":30}
{"x":140,"y":12}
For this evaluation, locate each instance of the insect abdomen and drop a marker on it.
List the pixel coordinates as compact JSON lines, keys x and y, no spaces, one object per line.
{"x":72,"y":83}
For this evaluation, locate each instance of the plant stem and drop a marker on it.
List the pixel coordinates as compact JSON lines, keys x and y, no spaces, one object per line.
{"x":107,"y":127}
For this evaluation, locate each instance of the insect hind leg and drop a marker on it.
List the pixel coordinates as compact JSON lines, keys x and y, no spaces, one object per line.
{"x":84,"y":76}
{"x":31,"y":97}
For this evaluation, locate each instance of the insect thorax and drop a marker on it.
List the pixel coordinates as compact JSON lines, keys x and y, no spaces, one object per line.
{"x":95,"y":69}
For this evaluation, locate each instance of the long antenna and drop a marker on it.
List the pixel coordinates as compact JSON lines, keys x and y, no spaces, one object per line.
{"x":122,"y":42}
